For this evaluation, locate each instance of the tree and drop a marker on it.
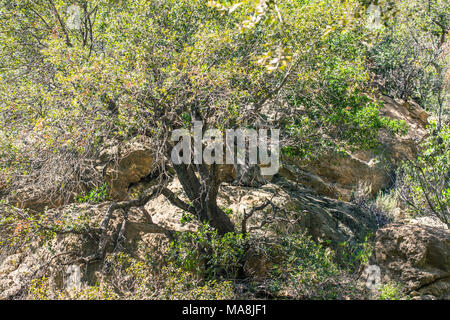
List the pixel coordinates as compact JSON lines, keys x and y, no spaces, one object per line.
{"x":411,"y":55}
{"x":148,"y":67}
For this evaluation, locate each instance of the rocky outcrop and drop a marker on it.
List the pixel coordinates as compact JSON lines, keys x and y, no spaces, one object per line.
{"x":299,"y":210}
{"x":337,"y":176}
{"x":126,"y":164}
{"x":400,"y":147}
{"x":416,"y":255}
{"x":129,"y":169}
{"x":290,"y":209}
{"x":341,"y":176}
{"x":58,"y":258}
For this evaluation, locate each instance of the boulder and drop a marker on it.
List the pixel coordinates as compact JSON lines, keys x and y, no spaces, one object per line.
{"x":416,"y":255}
{"x":295,"y":208}
{"x":129,"y":169}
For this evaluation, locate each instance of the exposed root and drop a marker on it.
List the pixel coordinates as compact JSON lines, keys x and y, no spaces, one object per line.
{"x":148,"y":227}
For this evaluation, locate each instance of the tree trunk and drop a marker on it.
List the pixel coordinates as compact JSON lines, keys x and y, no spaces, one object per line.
{"x":203,"y":195}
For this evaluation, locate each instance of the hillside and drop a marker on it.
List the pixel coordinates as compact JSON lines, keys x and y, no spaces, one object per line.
{"x":229,"y":150}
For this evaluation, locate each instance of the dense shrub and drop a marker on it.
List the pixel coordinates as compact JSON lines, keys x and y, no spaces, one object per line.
{"x":208,"y":254}
{"x":410,"y":56}
{"x":426,"y":179}
{"x":309,"y":270}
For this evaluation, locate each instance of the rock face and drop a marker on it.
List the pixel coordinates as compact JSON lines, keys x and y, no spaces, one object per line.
{"x":17,"y":270}
{"x":341,"y":176}
{"x":401,"y":147}
{"x":34,"y":261}
{"x":338,"y":177}
{"x":296,"y":210}
{"x":129,"y":169}
{"x":416,"y":255}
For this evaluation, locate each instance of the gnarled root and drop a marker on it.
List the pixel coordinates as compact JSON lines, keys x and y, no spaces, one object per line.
{"x":148,"y":227}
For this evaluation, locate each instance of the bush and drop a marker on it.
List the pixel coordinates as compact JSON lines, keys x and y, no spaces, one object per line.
{"x":391,"y":291}
{"x":426,"y":180}
{"x":307,"y":271}
{"x":353,"y":255}
{"x":207,"y":254}
{"x":95,"y":195}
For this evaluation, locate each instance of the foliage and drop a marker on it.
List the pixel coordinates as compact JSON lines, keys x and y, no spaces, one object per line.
{"x":148,"y":67}
{"x":143,"y":68}
{"x":426,"y":179}
{"x":207,"y":254}
{"x":96,"y":195}
{"x":132,"y":279}
{"x":307,"y":269}
{"x":186,"y":218}
{"x":41,"y":289}
{"x":21,"y":228}
{"x":388,"y":202}
{"x":411,"y":55}
{"x":135,"y":279}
